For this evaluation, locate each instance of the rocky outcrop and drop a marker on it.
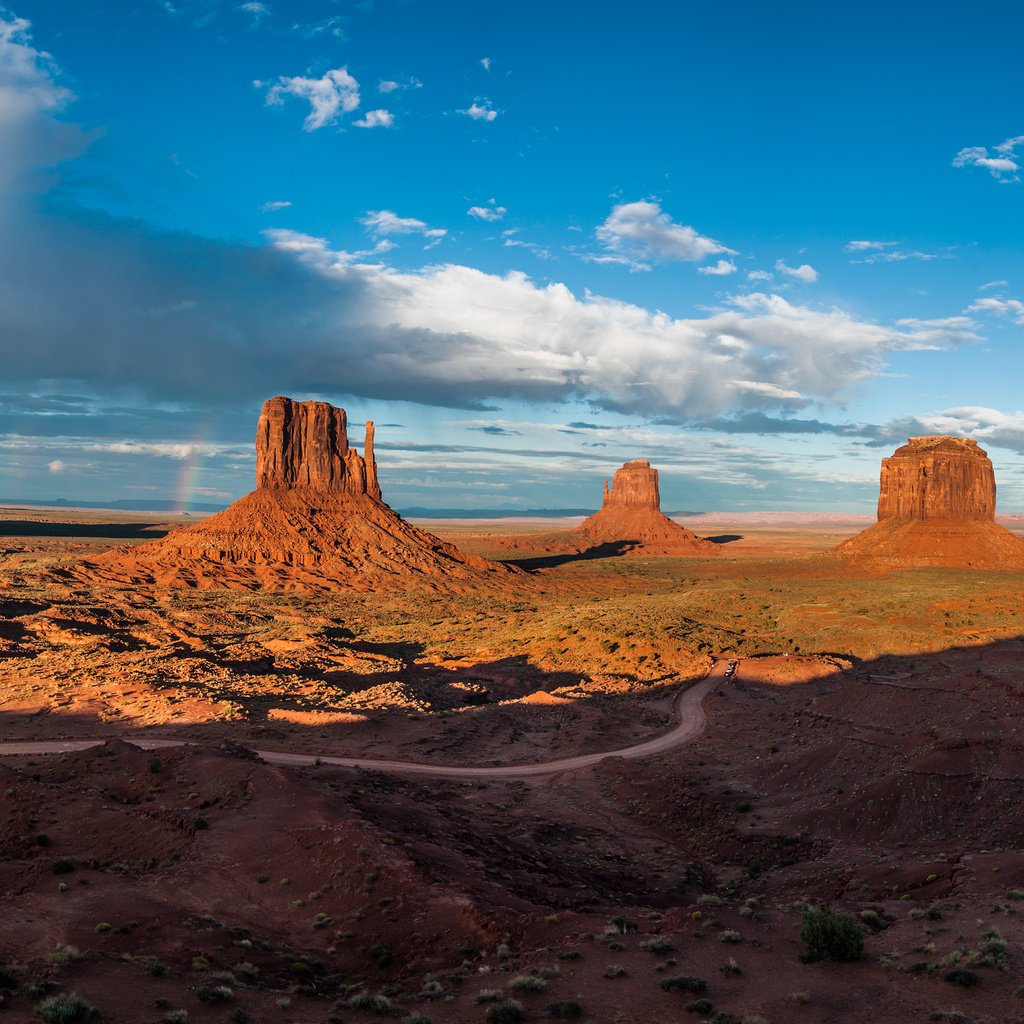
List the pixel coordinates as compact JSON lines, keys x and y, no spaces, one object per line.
{"x":936,"y":508}
{"x":305,"y":444}
{"x":316,"y":521}
{"x":635,"y":485}
{"x":937,"y":478}
{"x":631,"y":519}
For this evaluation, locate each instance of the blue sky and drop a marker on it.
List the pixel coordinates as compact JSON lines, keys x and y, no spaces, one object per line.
{"x":758,"y":244}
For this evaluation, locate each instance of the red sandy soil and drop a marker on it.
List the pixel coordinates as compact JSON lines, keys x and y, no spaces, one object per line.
{"x":296,"y":539}
{"x":867,"y":755}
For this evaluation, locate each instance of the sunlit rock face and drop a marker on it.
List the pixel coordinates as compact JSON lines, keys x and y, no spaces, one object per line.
{"x":937,"y":478}
{"x":305,"y":444}
{"x":635,"y":485}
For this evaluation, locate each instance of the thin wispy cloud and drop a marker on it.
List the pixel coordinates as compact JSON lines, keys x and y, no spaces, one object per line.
{"x":335,"y":93}
{"x":388,"y":85}
{"x":1012,"y":309}
{"x":1001,"y":164}
{"x":258,"y":11}
{"x":382,"y":223}
{"x":275,"y":205}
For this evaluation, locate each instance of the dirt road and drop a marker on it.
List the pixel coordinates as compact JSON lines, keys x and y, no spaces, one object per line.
{"x":687,"y":709}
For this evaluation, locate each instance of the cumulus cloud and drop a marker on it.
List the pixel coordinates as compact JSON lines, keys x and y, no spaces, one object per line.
{"x":988,"y":426}
{"x":376,"y":119}
{"x":480,"y":110}
{"x":805,"y":272}
{"x":719,"y":269}
{"x":485,"y":63}
{"x":56,"y":465}
{"x":334,"y":93}
{"x":489,"y":213}
{"x":1002,"y":165}
{"x":760,"y":275}
{"x":642,"y":231}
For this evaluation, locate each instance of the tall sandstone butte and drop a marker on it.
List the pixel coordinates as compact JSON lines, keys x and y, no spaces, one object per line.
{"x":936,"y":507}
{"x":316,"y":521}
{"x":305,"y":444}
{"x":937,"y":478}
{"x":631,"y":516}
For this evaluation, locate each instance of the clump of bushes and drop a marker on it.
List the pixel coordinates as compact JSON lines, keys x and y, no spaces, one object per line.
{"x":509,"y":1012}
{"x":66,"y":1009}
{"x":830,"y":935}
{"x":684,"y":983}
{"x":527,"y":983}
{"x":566,"y":1009}
{"x":658,"y":945}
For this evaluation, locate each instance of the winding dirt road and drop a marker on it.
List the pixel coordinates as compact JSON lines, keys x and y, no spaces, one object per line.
{"x":687,"y":709}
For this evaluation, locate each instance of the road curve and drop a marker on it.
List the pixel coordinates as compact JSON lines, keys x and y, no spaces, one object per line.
{"x":687,"y":709}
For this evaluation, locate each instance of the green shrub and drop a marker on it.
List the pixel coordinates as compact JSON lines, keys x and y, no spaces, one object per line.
{"x":510,"y":1012}
{"x":684,"y":983}
{"x":175,"y":1017}
{"x":490,"y":995}
{"x":567,"y":1009}
{"x":963,"y":977}
{"x":658,"y":945}
{"x":63,"y":865}
{"x":699,"y":1006}
{"x":364,"y":1001}
{"x":66,"y":1009}
{"x":830,"y":935}
{"x":527,"y":983}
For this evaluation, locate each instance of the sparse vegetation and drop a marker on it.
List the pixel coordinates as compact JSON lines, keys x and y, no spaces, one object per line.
{"x":509,"y":1012}
{"x":684,"y":983}
{"x":66,"y":1009}
{"x":830,"y":935}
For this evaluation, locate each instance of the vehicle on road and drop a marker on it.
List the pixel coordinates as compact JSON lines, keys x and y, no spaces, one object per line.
{"x":730,"y":669}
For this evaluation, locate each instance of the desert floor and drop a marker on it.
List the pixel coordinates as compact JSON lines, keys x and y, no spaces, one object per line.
{"x":868,"y":754}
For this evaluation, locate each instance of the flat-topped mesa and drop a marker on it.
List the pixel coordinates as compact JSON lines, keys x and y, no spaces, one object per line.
{"x":938,"y":478}
{"x":305,"y":445}
{"x":635,"y":485}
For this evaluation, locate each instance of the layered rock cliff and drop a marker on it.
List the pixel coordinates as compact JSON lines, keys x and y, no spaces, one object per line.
{"x":937,"y":478}
{"x":305,"y":444}
{"x":936,"y":508}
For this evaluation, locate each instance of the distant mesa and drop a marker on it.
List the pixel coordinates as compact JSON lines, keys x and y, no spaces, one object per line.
{"x":316,"y":521}
{"x":936,"y":507}
{"x":631,"y":514}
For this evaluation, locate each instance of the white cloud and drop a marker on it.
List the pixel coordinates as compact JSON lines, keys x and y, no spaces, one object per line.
{"x":376,"y":119}
{"x":760,"y":275}
{"x":987,"y":426}
{"x":387,"y":85}
{"x":30,"y":96}
{"x":480,"y":110}
{"x":863,"y":245}
{"x":56,"y":465}
{"x":719,"y":269}
{"x":1012,"y":308}
{"x":277,"y":204}
{"x":642,"y":231}
{"x":384,"y":222}
{"x":454,"y":329}
{"x":992,"y":284}
{"x":489,"y":213}
{"x":485,"y":63}
{"x":259,"y":11}
{"x":335,"y":93}
{"x":805,"y":272}
{"x":1002,"y":167}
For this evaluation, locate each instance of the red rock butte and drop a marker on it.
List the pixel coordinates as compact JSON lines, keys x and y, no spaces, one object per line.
{"x":316,"y":521}
{"x":936,"y":507}
{"x":631,"y":515}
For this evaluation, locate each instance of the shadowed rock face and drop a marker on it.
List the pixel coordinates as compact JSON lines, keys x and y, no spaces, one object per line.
{"x":938,"y":478}
{"x":635,"y":485}
{"x":305,"y":444}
